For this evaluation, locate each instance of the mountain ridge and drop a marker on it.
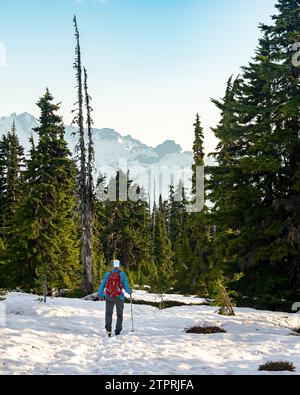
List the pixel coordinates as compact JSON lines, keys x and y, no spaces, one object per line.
{"x":165,"y":162}
{"x":28,"y":121}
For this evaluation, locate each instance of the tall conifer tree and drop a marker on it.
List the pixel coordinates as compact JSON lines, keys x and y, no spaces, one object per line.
{"x":163,"y":275}
{"x":199,"y":233}
{"x":259,"y":136}
{"x":15,"y":162}
{"x":42,"y":248}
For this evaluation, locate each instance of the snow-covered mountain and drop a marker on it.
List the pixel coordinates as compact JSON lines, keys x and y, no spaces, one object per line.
{"x":163,"y":163}
{"x":24,"y":124}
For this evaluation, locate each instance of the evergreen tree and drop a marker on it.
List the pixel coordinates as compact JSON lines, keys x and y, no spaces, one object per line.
{"x":181,"y":247}
{"x":4,"y":149}
{"x":163,"y":275}
{"x":3,"y":200}
{"x":199,"y":230}
{"x":198,"y":151}
{"x":42,"y":248}
{"x":67,"y":272}
{"x":222,"y":300}
{"x":15,"y":160}
{"x":260,"y":232}
{"x":124,"y":226}
{"x":175,"y":212}
{"x":141,"y":227}
{"x":2,"y":262}
{"x":99,"y":257}
{"x":223,"y":192}
{"x":286,"y":129}
{"x":12,"y":157}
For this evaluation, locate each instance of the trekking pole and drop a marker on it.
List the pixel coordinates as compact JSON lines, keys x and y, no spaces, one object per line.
{"x":131,"y":313}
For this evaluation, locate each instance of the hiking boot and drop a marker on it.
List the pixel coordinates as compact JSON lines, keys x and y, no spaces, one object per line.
{"x":109,"y":333}
{"x":117,"y":333}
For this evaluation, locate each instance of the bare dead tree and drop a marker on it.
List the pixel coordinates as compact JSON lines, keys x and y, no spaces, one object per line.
{"x":83,"y":179}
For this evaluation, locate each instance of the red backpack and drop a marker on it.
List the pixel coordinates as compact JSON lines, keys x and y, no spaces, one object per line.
{"x":114,"y":285}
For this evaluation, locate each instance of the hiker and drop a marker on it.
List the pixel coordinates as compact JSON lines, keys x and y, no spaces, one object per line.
{"x":111,"y":290}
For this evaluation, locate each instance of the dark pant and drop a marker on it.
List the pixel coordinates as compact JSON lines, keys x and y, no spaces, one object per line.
{"x":110,"y":305}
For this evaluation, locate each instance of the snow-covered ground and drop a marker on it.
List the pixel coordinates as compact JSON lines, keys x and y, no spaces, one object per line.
{"x":66,"y":336}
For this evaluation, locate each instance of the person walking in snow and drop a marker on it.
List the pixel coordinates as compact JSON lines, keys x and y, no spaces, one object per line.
{"x":111,"y":291}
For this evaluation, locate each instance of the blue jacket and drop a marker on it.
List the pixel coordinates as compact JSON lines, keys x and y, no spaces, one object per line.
{"x":124,"y":283}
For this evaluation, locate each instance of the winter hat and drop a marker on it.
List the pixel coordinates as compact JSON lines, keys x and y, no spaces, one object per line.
{"x":116,"y":263}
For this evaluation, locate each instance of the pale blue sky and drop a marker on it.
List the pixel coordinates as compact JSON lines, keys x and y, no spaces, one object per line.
{"x":152,"y":63}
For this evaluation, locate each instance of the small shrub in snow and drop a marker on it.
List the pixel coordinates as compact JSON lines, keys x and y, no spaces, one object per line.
{"x":93,"y":297}
{"x":2,"y":294}
{"x":205,"y":330}
{"x":278,"y":366}
{"x":295,"y":331}
{"x":223,"y":300}
{"x":72,"y":293}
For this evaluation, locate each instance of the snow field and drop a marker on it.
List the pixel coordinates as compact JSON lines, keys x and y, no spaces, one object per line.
{"x":67,"y":336}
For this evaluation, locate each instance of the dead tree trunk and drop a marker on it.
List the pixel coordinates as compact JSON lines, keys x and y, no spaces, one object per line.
{"x":85,"y":209}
